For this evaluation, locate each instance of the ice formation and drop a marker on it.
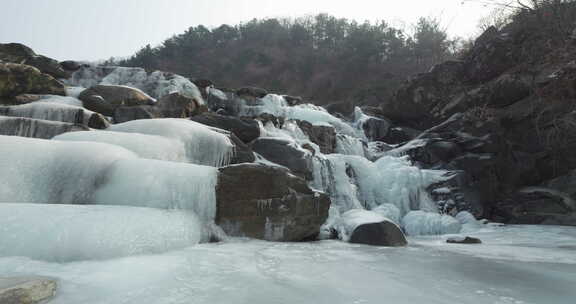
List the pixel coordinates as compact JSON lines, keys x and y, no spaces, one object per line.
{"x":49,"y":109}
{"x":277,"y":106}
{"x":155,"y":84}
{"x":55,"y":172}
{"x":425,"y":223}
{"x":164,"y":148}
{"x":65,"y":233}
{"x":203,"y":145}
{"x":351,"y":219}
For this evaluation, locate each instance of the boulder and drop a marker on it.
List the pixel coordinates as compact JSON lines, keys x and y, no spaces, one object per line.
{"x":293,"y":100}
{"x":538,"y":205}
{"x":36,"y":128}
{"x":268,"y":203}
{"x":16,"y":79}
{"x":463,"y":240}
{"x":176,"y":105}
{"x":376,"y":129}
{"x":251,"y":92}
{"x":370,"y":228}
{"x":19,"y":53}
{"x":323,"y":136}
{"x":70,"y":65}
{"x":286,"y":153}
{"x":242,"y":152}
{"x":244,"y":128}
{"x":26,"y":290}
{"x":124,"y":114}
{"x":105,"y":99}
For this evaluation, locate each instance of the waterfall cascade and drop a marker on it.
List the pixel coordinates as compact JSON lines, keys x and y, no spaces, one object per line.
{"x":148,"y":173}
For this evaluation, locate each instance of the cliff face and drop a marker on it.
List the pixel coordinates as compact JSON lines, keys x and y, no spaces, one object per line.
{"x":504,"y":117}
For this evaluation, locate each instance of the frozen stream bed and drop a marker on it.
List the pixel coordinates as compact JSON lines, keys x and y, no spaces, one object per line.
{"x":515,"y":264}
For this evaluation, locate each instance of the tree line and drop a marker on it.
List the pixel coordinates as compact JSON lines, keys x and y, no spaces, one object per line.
{"x":323,"y":58}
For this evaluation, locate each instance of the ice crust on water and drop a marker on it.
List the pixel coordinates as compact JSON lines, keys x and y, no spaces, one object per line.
{"x":203,"y":145}
{"x":502,"y":270}
{"x":65,"y":233}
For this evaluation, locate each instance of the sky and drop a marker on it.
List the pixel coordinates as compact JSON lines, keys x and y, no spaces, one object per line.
{"x":100,"y":29}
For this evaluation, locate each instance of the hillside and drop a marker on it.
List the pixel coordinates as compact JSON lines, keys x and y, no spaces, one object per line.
{"x":322,"y":58}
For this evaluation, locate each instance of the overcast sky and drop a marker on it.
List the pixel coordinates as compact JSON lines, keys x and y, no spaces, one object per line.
{"x":99,"y":29}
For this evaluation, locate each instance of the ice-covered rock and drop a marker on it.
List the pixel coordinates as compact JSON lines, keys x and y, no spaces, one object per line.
{"x":65,"y":233}
{"x":203,"y":145}
{"x":286,"y":153}
{"x":428,"y":223}
{"x":36,"y":128}
{"x":245,"y":129}
{"x":55,"y":111}
{"x":156,"y":84}
{"x":367,"y":227}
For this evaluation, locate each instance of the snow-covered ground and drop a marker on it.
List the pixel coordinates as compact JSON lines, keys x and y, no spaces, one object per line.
{"x":515,"y":264}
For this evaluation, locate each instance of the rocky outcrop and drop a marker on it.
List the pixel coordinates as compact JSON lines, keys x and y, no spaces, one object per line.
{"x":268,"y":203}
{"x":19,"y":53}
{"x":176,"y":105}
{"x":105,"y":99}
{"x":16,"y":79}
{"x":252,"y":92}
{"x":500,"y":119}
{"x":26,"y":290}
{"x":537,"y":205}
{"x":242,"y":152}
{"x":245,"y":129}
{"x":285,"y":153}
{"x":323,"y":136}
{"x":36,"y":128}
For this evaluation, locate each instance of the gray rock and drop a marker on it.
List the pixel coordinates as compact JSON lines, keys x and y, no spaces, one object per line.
{"x":371,"y":228}
{"x":323,"y":136}
{"x":19,"y":53}
{"x":176,"y":105}
{"x":16,"y":79}
{"x":463,"y":240}
{"x":285,"y":153}
{"x":26,"y":290}
{"x":252,"y":92}
{"x":245,"y":129}
{"x":268,"y":203}
{"x":124,"y":114}
{"x":105,"y":99}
